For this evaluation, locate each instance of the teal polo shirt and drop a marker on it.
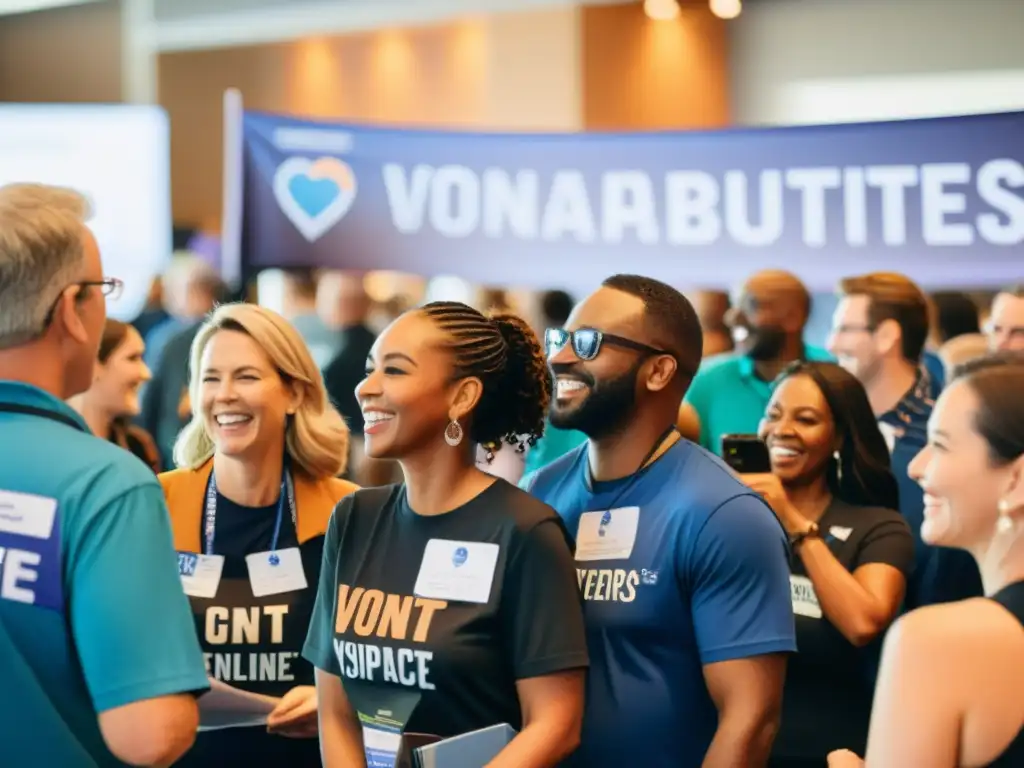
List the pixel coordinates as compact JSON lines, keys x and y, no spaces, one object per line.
{"x":92,"y":614}
{"x":554,"y":444}
{"x":730,"y":398}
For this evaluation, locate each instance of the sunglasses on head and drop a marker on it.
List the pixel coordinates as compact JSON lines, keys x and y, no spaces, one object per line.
{"x":586,"y":342}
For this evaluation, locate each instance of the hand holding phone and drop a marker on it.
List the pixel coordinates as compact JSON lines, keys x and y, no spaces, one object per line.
{"x":746,"y":454}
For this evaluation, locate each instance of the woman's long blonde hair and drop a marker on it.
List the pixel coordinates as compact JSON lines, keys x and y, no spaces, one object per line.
{"x":316,"y":437}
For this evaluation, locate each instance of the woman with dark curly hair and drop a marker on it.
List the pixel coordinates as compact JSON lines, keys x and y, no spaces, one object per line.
{"x":834,"y":493}
{"x":449,"y":602}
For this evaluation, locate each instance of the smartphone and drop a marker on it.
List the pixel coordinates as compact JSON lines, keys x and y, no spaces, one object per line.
{"x":746,"y":454}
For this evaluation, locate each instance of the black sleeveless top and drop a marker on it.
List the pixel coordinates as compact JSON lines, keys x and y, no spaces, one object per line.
{"x":1012,"y":599}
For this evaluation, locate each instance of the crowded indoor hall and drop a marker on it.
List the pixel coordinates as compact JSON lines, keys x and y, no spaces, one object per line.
{"x":512,"y":384}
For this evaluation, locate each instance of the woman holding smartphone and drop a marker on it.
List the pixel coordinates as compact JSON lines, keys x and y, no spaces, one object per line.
{"x":832,"y":489}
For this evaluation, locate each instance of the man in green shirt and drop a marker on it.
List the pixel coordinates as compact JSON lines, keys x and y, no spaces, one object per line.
{"x":731,"y":391}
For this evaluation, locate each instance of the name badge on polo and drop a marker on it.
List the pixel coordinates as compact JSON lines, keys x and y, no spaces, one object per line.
{"x":805,"y":599}
{"x":200,"y":574}
{"x":457,"y":571}
{"x":30,"y":553}
{"x":607,"y":535}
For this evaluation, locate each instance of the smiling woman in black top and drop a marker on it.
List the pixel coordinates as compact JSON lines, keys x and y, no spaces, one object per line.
{"x":951,"y":675}
{"x":833,"y":491}
{"x":448,"y":603}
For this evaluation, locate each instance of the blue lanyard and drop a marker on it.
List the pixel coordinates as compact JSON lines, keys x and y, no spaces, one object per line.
{"x":210,"y":523}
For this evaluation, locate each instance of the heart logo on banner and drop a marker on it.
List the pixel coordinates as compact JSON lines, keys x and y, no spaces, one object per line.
{"x":314,"y":194}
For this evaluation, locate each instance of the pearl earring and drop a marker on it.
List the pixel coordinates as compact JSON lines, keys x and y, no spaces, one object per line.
{"x":839,"y":466}
{"x":1005,"y":523}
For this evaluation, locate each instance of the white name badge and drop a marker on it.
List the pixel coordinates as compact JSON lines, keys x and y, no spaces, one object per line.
{"x":272,"y":573}
{"x":608,"y":535}
{"x":200,"y":574}
{"x":459,"y":571}
{"x":805,"y":599}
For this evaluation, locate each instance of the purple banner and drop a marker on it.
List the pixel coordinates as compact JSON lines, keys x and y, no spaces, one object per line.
{"x":941,"y":200}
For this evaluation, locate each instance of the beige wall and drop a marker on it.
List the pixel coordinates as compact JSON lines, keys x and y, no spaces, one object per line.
{"x":562,"y":69}
{"x":640,"y":74}
{"x":782,"y":44}
{"x":70,"y":54}
{"x":508,"y":72}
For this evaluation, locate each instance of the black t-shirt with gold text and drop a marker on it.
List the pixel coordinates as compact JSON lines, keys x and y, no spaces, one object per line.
{"x":445,"y":667}
{"x":254,"y":643}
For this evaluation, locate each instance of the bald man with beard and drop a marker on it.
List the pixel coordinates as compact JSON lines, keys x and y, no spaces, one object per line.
{"x":731,"y":391}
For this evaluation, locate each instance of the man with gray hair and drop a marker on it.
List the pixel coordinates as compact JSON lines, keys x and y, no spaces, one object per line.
{"x":98,"y":655}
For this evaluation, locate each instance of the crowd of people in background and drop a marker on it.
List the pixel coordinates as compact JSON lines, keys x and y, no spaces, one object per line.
{"x":403,"y":524}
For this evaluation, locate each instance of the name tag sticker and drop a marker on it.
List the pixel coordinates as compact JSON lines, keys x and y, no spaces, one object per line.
{"x":805,"y":599}
{"x":459,"y":571}
{"x":607,"y":535}
{"x":200,"y":574}
{"x":274,"y":573}
{"x":840,"y":532}
{"x":187,"y":563}
{"x":30,"y":551}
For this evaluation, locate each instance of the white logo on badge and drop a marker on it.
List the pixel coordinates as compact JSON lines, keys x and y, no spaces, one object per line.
{"x":607,"y":535}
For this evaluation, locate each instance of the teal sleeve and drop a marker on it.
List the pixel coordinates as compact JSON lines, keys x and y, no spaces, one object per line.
{"x":131,"y":621}
{"x":319,"y":647}
{"x":697,"y":398}
{"x":526,"y":481}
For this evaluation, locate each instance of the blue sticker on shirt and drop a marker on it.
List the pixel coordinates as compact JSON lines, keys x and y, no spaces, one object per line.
{"x":187,"y":562}
{"x":30,"y":562}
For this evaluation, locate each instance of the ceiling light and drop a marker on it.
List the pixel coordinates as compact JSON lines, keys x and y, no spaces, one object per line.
{"x":661,"y":10}
{"x":726,"y":9}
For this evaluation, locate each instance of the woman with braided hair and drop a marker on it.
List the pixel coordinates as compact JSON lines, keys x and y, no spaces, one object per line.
{"x":448,"y":603}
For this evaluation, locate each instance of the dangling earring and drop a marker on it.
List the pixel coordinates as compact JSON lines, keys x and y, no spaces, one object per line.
{"x":839,"y":466}
{"x":453,"y":433}
{"x":1005,"y":523}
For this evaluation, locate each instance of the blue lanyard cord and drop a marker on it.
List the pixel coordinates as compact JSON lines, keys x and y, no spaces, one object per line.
{"x":210,"y":522}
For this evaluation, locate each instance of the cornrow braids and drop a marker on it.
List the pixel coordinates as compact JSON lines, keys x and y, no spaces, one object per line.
{"x":505,"y":354}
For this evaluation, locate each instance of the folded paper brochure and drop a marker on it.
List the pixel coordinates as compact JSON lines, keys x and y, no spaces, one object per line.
{"x":468,"y":750}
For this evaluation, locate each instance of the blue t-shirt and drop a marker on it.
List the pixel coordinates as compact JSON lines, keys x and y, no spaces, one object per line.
{"x":707,"y":581}
{"x":92,"y":614}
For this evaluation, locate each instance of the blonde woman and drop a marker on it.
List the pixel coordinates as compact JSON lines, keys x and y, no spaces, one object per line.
{"x":249,"y":505}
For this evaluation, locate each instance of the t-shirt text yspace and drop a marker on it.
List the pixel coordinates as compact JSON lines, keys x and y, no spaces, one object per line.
{"x":402,"y":618}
